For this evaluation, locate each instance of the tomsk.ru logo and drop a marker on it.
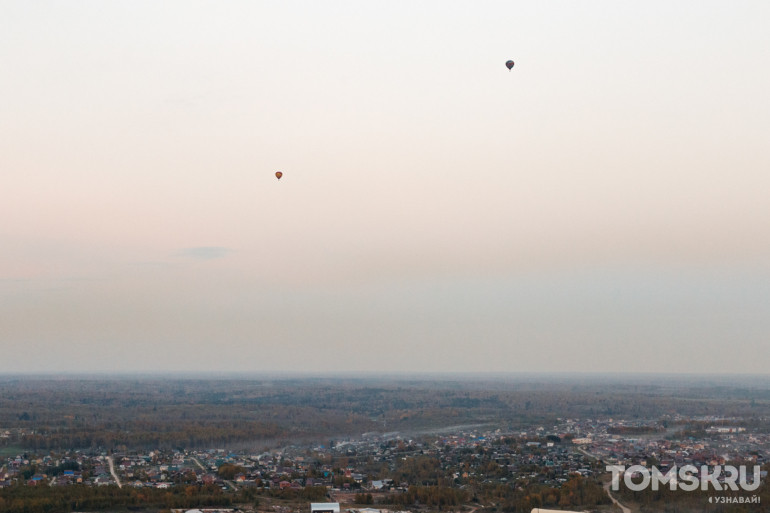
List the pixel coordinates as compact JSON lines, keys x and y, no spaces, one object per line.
{"x":687,"y":478}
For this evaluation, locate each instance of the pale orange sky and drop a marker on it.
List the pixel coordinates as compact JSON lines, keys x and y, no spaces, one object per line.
{"x":601,"y":207}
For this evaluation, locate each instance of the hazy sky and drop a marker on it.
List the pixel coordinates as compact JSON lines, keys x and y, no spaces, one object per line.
{"x":601,"y":207}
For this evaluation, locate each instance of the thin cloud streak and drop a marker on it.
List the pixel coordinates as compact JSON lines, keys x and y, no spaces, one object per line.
{"x":205,"y":252}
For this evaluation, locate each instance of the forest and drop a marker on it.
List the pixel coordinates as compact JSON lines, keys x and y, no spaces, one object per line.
{"x":118,"y":415}
{"x":64,"y":413}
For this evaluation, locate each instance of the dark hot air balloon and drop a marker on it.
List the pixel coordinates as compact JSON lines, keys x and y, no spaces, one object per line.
{"x":509,"y":65}
{"x":278,"y":174}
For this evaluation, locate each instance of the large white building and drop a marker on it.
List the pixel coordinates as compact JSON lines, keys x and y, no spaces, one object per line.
{"x":324,"y":507}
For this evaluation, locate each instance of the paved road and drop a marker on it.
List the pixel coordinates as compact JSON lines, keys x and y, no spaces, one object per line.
{"x":112,"y":471}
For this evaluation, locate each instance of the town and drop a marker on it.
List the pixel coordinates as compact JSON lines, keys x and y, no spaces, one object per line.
{"x":379,"y":469}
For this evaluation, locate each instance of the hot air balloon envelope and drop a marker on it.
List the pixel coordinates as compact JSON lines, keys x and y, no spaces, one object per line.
{"x":278,"y":174}
{"x":509,"y":65}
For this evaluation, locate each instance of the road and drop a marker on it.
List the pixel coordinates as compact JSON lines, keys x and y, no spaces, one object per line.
{"x":198,"y":463}
{"x":625,"y":509}
{"x":229,"y":483}
{"x":614,"y":500}
{"x":112,"y":471}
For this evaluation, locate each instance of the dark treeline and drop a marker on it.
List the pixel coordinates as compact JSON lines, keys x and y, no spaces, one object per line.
{"x":64,"y":499}
{"x":577,"y":492}
{"x":440,"y":497}
{"x":142,"y":435}
{"x":633,"y":430}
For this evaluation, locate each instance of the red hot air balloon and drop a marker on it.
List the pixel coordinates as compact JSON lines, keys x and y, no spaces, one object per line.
{"x":509,"y":65}
{"x":278,"y":174}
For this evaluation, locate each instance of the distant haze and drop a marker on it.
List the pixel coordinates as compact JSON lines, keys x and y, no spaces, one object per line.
{"x":602,"y":207}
